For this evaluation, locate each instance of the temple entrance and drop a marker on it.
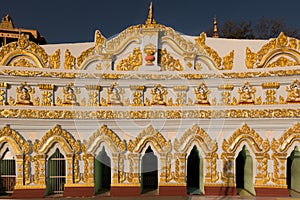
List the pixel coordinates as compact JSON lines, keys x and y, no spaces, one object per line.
{"x":7,"y":173}
{"x":193,"y":172}
{"x":149,"y":177}
{"x":56,"y":174}
{"x":102,"y":172}
{"x":244,"y":173}
{"x":293,"y":170}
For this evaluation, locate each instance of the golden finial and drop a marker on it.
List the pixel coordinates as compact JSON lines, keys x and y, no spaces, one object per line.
{"x":216,"y":34}
{"x":150,"y":19}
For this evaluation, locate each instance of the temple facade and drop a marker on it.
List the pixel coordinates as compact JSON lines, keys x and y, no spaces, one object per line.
{"x":150,"y":111}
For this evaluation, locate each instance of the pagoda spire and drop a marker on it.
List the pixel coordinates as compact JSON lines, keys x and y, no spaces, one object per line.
{"x":150,"y":20}
{"x":215,"y":34}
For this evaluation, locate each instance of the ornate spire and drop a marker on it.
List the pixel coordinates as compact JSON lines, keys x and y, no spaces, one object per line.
{"x":7,"y":22}
{"x":216,"y":34}
{"x":150,"y":20}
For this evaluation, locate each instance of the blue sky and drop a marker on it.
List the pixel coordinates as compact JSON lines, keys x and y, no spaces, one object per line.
{"x":65,"y":21}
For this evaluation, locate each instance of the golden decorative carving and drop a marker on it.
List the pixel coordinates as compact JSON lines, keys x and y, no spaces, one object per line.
{"x":137,"y":99}
{"x":23,"y":42}
{"x":150,"y":50}
{"x":208,"y":146}
{"x":24,"y":94}
{"x":282,"y":47}
{"x":70,"y":145}
{"x":83,"y":56}
{"x":132,"y":62}
{"x":247,"y":94}
{"x":54,"y":60}
{"x":149,"y":135}
{"x":69,"y":60}
{"x":100,"y":41}
{"x":225,"y":87}
{"x":270,"y":97}
{"x":257,"y":145}
{"x":106,"y":135}
{"x":22,"y":62}
{"x":228,"y":61}
{"x":213,"y":55}
{"x":280,"y":148}
{"x":150,"y":22}
{"x":293,"y":90}
{"x":159,"y":95}
{"x":70,"y":93}
{"x":180,"y":99}
{"x":150,"y":114}
{"x":202,"y":93}
{"x":114,"y":93}
{"x":47,"y":94}
{"x":93,"y":92}
{"x":269,"y":85}
{"x":167,"y":62}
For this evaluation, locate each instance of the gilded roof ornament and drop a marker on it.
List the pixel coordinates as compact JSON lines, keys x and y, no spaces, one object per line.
{"x":150,"y":20}
{"x":100,"y":41}
{"x":279,"y":52}
{"x":215,"y":34}
{"x":6,"y":23}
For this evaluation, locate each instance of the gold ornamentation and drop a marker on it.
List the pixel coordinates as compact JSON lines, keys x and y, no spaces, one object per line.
{"x":93,"y":92}
{"x":106,"y":135}
{"x":228,"y":61}
{"x":167,"y":62}
{"x":69,"y":60}
{"x":149,"y":135}
{"x":270,"y":85}
{"x":283,"y":47}
{"x":150,"y":22}
{"x":24,"y":94}
{"x":202,"y":93}
{"x":54,"y":60}
{"x":23,"y":42}
{"x":47,"y":94}
{"x":207,"y":145}
{"x":257,"y":145}
{"x":137,"y":99}
{"x":247,"y":94}
{"x":270,"y":97}
{"x":57,"y":134}
{"x":22,"y":62}
{"x":100,"y":41}
{"x":70,"y":93}
{"x":150,"y":50}
{"x":83,"y":56}
{"x":159,"y":95}
{"x":114,"y":93}
{"x":280,"y":148}
{"x":293,"y":90}
{"x":181,"y":98}
{"x":132,"y":62}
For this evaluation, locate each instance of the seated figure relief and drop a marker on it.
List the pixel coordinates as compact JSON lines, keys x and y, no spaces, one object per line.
{"x":293,"y":90}
{"x":202,"y":93}
{"x":247,"y":94}
{"x":159,"y":95}
{"x":24,"y":95}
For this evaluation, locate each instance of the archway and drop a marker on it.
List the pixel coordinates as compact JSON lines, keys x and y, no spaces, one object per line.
{"x":293,"y":177}
{"x":102,"y":171}
{"x":56,"y":174}
{"x":7,"y":172}
{"x":193,"y":172}
{"x":244,"y":173}
{"x":149,"y":176}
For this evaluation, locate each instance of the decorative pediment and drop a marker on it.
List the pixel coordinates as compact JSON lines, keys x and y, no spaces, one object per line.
{"x":210,"y":56}
{"x":279,"y":52}
{"x":110,"y":138}
{"x":60,"y":136}
{"x":198,"y":135}
{"x":149,"y":135}
{"x":25,"y":53}
{"x":283,"y":144}
{"x":245,"y":133}
{"x":17,"y":142}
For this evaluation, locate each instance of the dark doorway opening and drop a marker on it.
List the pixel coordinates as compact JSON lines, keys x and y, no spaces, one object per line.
{"x":193,"y":172}
{"x":149,"y":178}
{"x":102,"y":173}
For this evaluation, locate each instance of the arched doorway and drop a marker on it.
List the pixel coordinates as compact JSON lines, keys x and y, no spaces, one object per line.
{"x":244,"y":173}
{"x":102,"y":172}
{"x":56,"y":174}
{"x":293,"y":170}
{"x":149,"y":176}
{"x":193,"y":172}
{"x":7,"y":173}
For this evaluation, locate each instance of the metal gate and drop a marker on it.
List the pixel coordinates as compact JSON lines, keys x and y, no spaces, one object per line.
{"x":56,"y":173}
{"x":7,"y":173}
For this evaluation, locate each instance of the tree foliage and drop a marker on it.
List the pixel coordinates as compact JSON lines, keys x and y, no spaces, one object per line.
{"x":264,"y":28}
